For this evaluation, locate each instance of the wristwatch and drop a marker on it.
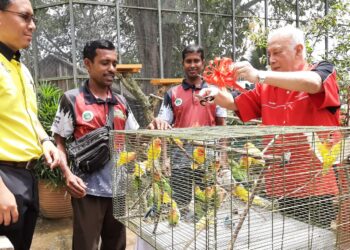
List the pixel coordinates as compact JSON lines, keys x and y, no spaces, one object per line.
{"x":49,"y":138}
{"x":261,"y":76}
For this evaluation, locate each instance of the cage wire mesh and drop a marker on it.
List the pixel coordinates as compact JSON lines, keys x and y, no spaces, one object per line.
{"x":237,"y":187}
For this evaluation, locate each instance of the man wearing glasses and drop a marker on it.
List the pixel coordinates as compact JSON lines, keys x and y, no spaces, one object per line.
{"x":22,"y":138}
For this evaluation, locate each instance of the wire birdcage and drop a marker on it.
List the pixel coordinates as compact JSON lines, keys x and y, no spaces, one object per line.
{"x":235,"y":187}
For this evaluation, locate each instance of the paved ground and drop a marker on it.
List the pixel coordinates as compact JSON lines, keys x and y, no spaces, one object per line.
{"x":57,"y":235}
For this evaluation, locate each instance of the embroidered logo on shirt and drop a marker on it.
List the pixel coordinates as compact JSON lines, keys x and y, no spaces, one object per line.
{"x":87,"y":116}
{"x":118,"y":113}
{"x":178,"y":102}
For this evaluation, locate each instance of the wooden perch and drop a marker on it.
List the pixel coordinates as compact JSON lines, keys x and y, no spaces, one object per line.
{"x":166,"y":81}
{"x":134,"y":88}
{"x":129,"y":68}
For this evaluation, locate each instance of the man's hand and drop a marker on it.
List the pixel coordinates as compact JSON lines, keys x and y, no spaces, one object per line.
{"x":246,"y":71}
{"x":8,"y":206}
{"x":51,"y":154}
{"x":207,"y":94}
{"x":75,"y":186}
{"x":159,"y":124}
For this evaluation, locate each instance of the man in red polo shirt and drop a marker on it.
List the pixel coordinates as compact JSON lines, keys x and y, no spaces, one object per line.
{"x":293,"y":93}
{"x":181,"y":109}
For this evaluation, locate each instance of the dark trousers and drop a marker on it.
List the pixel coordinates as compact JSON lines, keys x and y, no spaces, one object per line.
{"x":22,"y":183}
{"x":92,"y":219}
{"x":315,"y":210}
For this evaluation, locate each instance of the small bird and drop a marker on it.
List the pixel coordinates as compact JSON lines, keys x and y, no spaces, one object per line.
{"x":139,"y":169}
{"x":242,"y":193}
{"x":228,"y":222}
{"x":247,"y":161}
{"x":125,"y":157}
{"x":253,"y":150}
{"x":177,"y":141}
{"x":198,"y":157}
{"x":174,"y":215}
{"x":199,"y":194}
{"x":153,"y":152}
{"x":329,"y":153}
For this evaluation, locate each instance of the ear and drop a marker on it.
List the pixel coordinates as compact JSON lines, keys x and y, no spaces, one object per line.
{"x":299,"y":49}
{"x":87,"y":64}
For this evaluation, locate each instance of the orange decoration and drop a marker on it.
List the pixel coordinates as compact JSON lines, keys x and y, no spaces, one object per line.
{"x":220,"y":72}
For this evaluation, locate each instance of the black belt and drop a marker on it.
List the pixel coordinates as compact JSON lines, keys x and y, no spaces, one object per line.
{"x":20,"y":164}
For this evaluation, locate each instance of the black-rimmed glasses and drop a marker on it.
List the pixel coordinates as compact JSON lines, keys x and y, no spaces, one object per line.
{"x":25,"y":16}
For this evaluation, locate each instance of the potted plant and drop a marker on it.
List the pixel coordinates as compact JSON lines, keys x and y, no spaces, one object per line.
{"x":53,"y":198}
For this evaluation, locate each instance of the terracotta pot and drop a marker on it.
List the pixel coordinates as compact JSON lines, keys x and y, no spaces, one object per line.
{"x":54,"y":201}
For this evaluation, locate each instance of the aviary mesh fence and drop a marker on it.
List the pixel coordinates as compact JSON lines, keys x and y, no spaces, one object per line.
{"x":234,"y":187}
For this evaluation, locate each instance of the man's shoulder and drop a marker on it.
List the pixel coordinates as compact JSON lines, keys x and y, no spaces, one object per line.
{"x":120,"y":98}
{"x":322,"y":64}
{"x":73,"y":92}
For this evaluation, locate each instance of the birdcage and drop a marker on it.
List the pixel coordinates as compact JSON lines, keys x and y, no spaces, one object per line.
{"x":241,"y":187}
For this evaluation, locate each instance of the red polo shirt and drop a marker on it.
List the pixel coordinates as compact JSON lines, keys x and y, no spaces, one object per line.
{"x":299,"y":176}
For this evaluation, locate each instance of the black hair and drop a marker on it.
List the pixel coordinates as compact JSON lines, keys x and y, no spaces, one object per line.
{"x":193,"y":48}
{"x":4,"y":4}
{"x":90,"y":48}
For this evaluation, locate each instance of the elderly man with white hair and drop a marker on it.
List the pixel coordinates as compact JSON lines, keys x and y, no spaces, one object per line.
{"x":292,"y":93}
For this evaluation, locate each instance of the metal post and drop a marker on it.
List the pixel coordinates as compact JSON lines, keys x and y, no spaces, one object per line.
{"x":119,"y":45}
{"x":36,"y":61}
{"x":297,"y":13}
{"x":234,"y":30}
{"x":266,"y":13}
{"x":160,"y":39}
{"x":199,"y":22}
{"x":72,"y":34}
{"x":118,"y":30}
{"x":326,"y":10}
{"x":266,"y":25}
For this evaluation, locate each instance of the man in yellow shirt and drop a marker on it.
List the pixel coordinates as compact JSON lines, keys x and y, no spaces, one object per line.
{"x":22,"y":138}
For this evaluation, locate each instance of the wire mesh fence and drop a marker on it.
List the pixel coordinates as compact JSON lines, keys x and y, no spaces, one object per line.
{"x":234,"y":187}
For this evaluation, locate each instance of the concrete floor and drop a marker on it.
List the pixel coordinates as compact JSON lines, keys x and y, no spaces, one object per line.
{"x":57,"y":235}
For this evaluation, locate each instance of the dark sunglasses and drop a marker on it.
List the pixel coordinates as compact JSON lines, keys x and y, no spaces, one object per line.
{"x":26,"y":17}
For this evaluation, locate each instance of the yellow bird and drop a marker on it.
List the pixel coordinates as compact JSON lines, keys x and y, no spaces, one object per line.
{"x":240,"y":192}
{"x":125,"y":157}
{"x":153,"y":152}
{"x":329,"y":154}
{"x":199,"y":194}
{"x":177,"y":141}
{"x":139,"y":169}
{"x":247,"y":161}
{"x":198,"y":157}
{"x":174,"y":215}
{"x":252,"y":150}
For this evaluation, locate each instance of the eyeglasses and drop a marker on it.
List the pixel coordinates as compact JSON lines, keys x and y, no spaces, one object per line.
{"x":26,"y":17}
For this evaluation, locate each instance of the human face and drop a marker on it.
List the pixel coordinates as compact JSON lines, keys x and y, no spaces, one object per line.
{"x":282,"y":55}
{"x":17,"y":25}
{"x":193,"y":66}
{"x":102,"y":69}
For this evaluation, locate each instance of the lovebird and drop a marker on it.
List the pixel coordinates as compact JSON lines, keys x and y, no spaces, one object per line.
{"x":252,"y":150}
{"x":198,"y":157}
{"x":139,"y":169}
{"x":125,"y":157}
{"x":247,"y":161}
{"x":153,"y":152}
{"x":199,"y":194}
{"x":329,"y":153}
{"x":242,"y":193}
{"x":174,"y":215}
